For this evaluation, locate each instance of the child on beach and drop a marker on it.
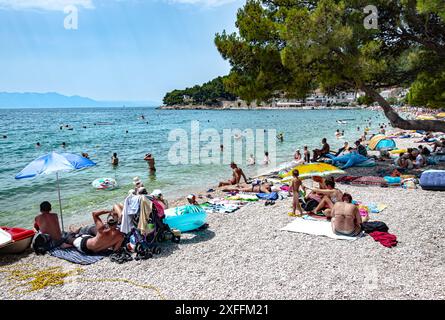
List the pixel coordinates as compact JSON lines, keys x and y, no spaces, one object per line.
{"x":297,"y":184}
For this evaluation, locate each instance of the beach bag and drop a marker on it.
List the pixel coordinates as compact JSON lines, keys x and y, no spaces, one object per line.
{"x":372,"y":226}
{"x":310,"y":205}
{"x":41,"y":243}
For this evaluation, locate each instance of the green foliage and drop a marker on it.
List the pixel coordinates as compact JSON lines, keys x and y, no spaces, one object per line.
{"x":210,"y":93}
{"x":292,"y":47}
{"x":365,"y":100}
{"x":428,"y":91}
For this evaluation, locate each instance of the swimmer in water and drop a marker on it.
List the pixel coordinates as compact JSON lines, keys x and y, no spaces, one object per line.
{"x":114,"y":159}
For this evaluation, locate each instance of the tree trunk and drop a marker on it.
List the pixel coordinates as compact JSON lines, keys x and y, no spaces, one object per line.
{"x":397,"y":121}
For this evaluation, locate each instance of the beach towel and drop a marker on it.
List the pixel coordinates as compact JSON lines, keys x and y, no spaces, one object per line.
{"x":386,"y":239}
{"x":318,"y":228}
{"x":267,"y":196}
{"x":75,"y":256}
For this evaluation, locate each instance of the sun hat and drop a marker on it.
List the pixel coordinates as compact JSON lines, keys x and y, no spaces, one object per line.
{"x":156,"y":193}
{"x":191,"y":196}
{"x":137,"y":181}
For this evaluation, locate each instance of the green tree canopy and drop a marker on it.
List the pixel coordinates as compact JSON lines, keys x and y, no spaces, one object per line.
{"x":210,"y":93}
{"x":294,"y":46}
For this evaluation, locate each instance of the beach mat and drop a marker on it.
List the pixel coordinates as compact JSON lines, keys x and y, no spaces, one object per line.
{"x":75,"y":256}
{"x":318,"y":228}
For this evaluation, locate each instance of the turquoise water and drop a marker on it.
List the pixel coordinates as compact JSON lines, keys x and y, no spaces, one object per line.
{"x":20,"y":199}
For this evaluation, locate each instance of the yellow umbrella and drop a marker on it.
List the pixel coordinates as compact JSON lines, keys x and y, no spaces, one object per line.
{"x":312,"y":170}
{"x":440,"y":115}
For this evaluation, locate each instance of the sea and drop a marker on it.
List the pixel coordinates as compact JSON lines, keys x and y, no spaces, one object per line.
{"x":134,"y":132}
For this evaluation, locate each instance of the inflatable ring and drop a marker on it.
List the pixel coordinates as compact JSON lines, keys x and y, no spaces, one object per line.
{"x":104,"y":184}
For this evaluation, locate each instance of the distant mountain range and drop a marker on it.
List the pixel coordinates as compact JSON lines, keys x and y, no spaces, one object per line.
{"x":56,"y":100}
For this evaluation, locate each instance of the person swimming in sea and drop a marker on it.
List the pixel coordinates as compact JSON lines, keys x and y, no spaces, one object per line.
{"x":38,"y":145}
{"x":63,"y":145}
{"x":114,"y":159}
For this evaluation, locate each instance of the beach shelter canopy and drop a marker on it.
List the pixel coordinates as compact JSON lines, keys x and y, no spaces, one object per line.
{"x":312,"y":170}
{"x":54,"y":163}
{"x":440,"y":115}
{"x":381,"y":141}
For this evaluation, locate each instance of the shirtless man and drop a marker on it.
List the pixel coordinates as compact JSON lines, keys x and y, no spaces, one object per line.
{"x":48,"y":223}
{"x":331,"y":195}
{"x":108,"y":235}
{"x":318,"y":153}
{"x":151,"y":163}
{"x":346,"y":219}
{"x":297,"y":184}
{"x":236,"y":178}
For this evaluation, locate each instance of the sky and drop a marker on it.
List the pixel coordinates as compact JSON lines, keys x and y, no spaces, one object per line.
{"x":126,"y":50}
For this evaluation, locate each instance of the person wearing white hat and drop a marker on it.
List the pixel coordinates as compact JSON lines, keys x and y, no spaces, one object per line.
{"x":192,"y":199}
{"x":157,"y":194}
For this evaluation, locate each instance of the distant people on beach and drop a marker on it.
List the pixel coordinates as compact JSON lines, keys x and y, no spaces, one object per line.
{"x":237,"y":174}
{"x":63,"y":145}
{"x":221,"y":147}
{"x":251,"y":161}
{"x":280,"y":137}
{"x":151,"y":163}
{"x":343,"y":149}
{"x":404,"y":162}
{"x":318,"y":153}
{"x":382,"y":130}
{"x":108,"y":235}
{"x":361,"y":149}
{"x":85,"y":155}
{"x":114,"y":159}
{"x":438,"y":145}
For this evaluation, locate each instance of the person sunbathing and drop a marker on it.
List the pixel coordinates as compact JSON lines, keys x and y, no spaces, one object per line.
{"x":261,"y":187}
{"x":108,"y":235}
{"x":345,"y":218}
{"x":404,"y":162}
{"x":331,"y":195}
{"x":237,"y":174}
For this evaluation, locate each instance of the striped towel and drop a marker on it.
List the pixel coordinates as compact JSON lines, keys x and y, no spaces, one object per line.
{"x":75,"y":256}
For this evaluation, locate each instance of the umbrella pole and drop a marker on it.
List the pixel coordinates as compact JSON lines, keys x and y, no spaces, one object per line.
{"x":60,"y":200}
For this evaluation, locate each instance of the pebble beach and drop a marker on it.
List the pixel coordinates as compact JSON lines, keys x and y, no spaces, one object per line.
{"x":245,"y":255}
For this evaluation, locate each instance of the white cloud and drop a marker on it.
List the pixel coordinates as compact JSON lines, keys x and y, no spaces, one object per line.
{"x":50,"y":5}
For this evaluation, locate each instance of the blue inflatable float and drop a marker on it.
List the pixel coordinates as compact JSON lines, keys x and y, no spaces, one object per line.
{"x":185,"y":218}
{"x":433,"y":180}
{"x":350,"y":160}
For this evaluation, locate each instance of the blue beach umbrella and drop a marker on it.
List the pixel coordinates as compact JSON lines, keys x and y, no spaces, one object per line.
{"x":54,"y":163}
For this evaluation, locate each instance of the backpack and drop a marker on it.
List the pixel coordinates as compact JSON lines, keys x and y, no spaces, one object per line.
{"x":41,"y":243}
{"x":369,"y":227}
